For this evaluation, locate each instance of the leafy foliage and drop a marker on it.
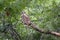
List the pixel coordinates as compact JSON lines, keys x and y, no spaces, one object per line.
{"x":44,"y":13}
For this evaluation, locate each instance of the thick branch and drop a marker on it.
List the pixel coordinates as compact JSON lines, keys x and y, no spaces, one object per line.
{"x":34,"y":26}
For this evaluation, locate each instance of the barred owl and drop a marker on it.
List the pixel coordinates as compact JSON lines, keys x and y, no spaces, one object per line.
{"x":25,"y":18}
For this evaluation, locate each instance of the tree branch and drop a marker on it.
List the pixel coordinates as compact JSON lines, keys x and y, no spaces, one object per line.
{"x":34,"y":26}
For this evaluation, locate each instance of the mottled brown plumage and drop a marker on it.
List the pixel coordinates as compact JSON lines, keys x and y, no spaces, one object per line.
{"x":25,"y":18}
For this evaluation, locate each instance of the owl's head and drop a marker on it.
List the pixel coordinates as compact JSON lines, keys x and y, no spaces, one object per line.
{"x":23,"y":12}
